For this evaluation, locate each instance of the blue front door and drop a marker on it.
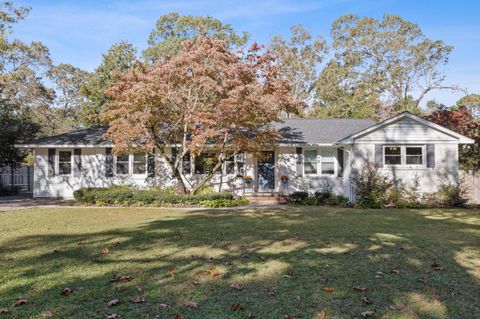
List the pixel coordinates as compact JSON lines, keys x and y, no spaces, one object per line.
{"x":266,"y":171}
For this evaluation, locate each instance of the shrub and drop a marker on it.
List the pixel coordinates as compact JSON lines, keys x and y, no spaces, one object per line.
{"x":225,"y":202}
{"x":452,"y":193}
{"x":309,"y":201}
{"x":298,"y":197}
{"x":337,"y":200}
{"x":404,"y":196}
{"x":140,"y":197}
{"x":9,"y":190}
{"x":325,"y":193}
{"x":371,"y":187}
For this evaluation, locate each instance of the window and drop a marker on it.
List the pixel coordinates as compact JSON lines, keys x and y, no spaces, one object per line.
{"x":186,"y":164}
{"x":414,"y":155}
{"x":122,"y":165}
{"x":204,"y":163}
{"x":310,"y":162}
{"x":328,"y":163}
{"x":393,"y":155}
{"x":404,"y":155}
{"x":240,"y":158}
{"x":229,"y":164}
{"x":139,"y":163}
{"x":64,"y":162}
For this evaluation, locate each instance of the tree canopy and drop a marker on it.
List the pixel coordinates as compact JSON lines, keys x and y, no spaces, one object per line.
{"x":204,"y":99}
{"x":172,"y":29}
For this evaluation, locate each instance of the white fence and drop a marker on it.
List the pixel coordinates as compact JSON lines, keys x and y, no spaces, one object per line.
{"x":472,"y":183}
{"x":21,"y":176}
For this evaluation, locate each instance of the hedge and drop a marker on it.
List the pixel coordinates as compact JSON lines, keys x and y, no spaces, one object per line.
{"x":116,"y":196}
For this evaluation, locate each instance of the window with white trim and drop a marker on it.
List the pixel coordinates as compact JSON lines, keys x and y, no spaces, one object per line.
{"x":414,"y":155}
{"x":229,"y":163}
{"x":404,"y":155}
{"x":310,"y":162}
{"x":393,"y":155}
{"x":328,"y":163}
{"x":139,"y":163}
{"x":65,"y":162}
{"x":122,"y":165}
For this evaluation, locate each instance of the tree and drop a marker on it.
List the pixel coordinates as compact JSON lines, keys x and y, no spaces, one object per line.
{"x":119,"y":58}
{"x":172,"y":29}
{"x":338,"y":96}
{"x":472,"y":102}
{"x":64,"y":114}
{"x":392,"y":56}
{"x":16,"y":127}
{"x":23,"y":93}
{"x":300,"y":57}
{"x":204,"y":99}
{"x":461,"y":119}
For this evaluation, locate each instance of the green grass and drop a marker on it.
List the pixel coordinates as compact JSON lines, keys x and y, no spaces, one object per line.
{"x":296,"y":252}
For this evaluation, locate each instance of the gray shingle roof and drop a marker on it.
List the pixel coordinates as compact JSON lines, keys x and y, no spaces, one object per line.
{"x":293,"y":131}
{"x":81,"y":137}
{"x":319,"y":131}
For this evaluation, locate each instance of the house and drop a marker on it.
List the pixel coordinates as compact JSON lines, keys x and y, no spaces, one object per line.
{"x":311,"y":152}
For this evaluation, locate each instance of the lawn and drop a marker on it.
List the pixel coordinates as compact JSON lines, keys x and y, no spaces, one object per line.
{"x":288,"y":262}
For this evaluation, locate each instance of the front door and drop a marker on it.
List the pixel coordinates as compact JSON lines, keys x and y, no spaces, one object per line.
{"x":266,"y":171}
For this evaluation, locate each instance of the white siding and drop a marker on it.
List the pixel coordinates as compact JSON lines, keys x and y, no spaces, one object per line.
{"x":446,"y":162}
{"x":406,"y":130}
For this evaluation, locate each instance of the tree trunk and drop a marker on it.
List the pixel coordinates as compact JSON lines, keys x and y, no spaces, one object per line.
{"x":207,"y":178}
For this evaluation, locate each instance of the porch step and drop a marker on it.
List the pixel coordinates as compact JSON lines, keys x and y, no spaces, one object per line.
{"x":266,"y":199}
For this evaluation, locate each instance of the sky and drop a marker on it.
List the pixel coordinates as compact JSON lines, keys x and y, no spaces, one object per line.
{"x":78,"y":32}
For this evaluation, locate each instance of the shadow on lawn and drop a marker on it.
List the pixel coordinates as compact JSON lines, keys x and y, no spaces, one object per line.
{"x":294,"y":252}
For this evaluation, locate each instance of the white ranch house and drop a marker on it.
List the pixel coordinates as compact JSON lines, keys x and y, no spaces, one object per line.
{"x":311,"y":152}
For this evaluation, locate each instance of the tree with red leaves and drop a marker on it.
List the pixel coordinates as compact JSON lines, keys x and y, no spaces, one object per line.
{"x":461,"y":120}
{"x":204,"y":99}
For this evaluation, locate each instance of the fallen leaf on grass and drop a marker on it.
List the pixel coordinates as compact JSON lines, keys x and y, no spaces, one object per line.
{"x":191,"y":305}
{"x":358,"y":288}
{"x":378,"y":274}
{"x":213,"y":272}
{"x":236,"y":287}
{"x":196,"y":283}
{"x":81,"y":242}
{"x":123,"y":278}
{"x":437,"y":266}
{"x":113,"y":302}
{"x":270,"y":292}
{"x":367,"y":300}
{"x":321,"y":315}
{"x":368,"y":314}
{"x":177,"y":316}
{"x":328,"y":289}
{"x":137,"y":299}
{"x":47,"y":314}
{"x":20,"y":302}
{"x":105,"y":251}
{"x":8,"y":258}
{"x":287,"y":317}
{"x":395,"y":271}
{"x":235,"y":307}
{"x":164,"y":306}
{"x":111,"y":316}
{"x":170,"y":269}
{"x":66,"y":291}
{"x":423,"y":280}
{"x":3,"y":310}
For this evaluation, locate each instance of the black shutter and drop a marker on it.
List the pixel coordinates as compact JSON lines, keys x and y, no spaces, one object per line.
{"x":77,"y":159}
{"x":51,"y":161}
{"x":299,"y":152}
{"x":340,"y":162}
{"x":431,"y":155}
{"x":108,"y":162}
{"x":378,"y":155}
{"x":151,"y":164}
